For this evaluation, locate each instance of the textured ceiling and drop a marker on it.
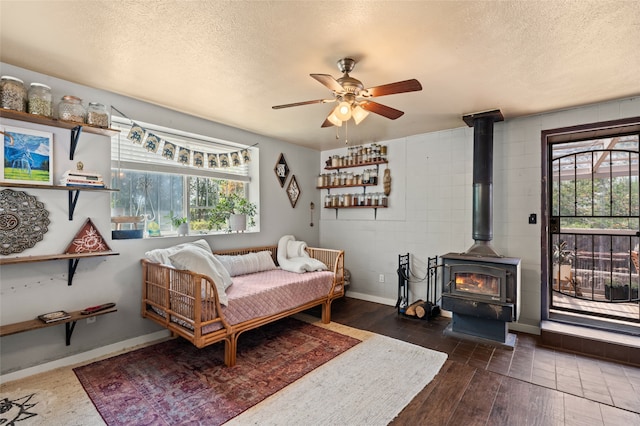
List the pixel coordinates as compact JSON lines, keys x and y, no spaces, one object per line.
{"x":231,"y":61}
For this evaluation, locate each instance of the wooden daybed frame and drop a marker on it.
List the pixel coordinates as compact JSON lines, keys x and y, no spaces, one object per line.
{"x":169,"y":294}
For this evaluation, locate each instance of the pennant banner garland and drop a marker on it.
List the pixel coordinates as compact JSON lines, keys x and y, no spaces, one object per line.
{"x":212,"y":160}
{"x":152,"y":143}
{"x":171,"y":151}
{"x":198,"y":159}
{"x":184,"y":155}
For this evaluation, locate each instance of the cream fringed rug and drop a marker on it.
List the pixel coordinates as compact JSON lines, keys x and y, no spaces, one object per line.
{"x":368,"y":384}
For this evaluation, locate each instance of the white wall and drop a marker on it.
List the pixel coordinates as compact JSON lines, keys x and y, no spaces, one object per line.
{"x":430,"y":204}
{"x":27,"y":290}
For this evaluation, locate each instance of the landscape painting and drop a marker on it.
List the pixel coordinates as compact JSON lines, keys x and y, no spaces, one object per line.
{"x":27,"y":156}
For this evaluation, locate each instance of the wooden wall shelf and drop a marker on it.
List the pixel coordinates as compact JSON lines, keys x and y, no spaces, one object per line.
{"x":73,"y":259}
{"x":74,"y":191}
{"x":368,"y":163}
{"x":35,"y":324}
{"x":76,"y":128}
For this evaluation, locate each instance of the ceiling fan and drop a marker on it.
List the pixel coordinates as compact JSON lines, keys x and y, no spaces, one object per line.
{"x":353,"y":99}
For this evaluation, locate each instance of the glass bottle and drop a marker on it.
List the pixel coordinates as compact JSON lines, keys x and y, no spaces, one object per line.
{"x":39,"y":100}
{"x":13,"y":94}
{"x":70,"y":109}
{"x":97,"y":115}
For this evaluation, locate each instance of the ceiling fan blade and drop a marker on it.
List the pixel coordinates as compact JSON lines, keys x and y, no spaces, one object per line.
{"x":328,"y":81}
{"x":327,"y":123}
{"x":317,"y":101}
{"x":412,"y":85}
{"x":382,"y":110}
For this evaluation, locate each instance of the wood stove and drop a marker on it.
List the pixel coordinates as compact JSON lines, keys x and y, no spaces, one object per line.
{"x":483,"y":294}
{"x":481,"y":287}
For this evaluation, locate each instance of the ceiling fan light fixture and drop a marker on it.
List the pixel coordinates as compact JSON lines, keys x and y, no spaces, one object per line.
{"x":358,"y":113}
{"x":343,"y":111}
{"x":333,"y":118}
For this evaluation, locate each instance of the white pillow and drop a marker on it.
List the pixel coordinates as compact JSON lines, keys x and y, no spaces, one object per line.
{"x":162,"y":255}
{"x":201,"y":261}
{"x":247,"y":263}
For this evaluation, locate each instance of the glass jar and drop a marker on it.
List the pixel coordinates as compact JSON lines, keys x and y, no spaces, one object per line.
{"x":39,"y":100}
{"x":70,"y":109}
{"x":13,"y":94}
{"x":97,"y":115}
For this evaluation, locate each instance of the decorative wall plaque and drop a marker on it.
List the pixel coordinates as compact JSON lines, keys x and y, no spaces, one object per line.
{"x":293,"y":191}
{"x":23,"y":221}
{"x":282,"y":170}
{"x":87,"y":240}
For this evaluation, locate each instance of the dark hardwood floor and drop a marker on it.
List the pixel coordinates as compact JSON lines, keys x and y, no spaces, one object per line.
{"x":482,"y":384}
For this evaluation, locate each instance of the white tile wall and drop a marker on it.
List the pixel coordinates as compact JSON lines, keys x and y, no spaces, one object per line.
{"x":430,"y":207}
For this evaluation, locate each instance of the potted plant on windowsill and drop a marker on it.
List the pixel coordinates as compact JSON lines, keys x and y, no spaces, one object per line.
{"x":562,"y":262}
{"x":234,"y":211}
{"x":179,"y":223}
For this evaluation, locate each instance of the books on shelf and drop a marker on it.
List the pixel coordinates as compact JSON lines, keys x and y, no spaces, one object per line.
{"x":80,"y":174}
{"x":54,"y":316}
{"x":82,"y":178}
{"x":80,"y":182}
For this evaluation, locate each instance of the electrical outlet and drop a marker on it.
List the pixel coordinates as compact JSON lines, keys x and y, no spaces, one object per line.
{"x":91,"y":320}
{"x":381,"y":278}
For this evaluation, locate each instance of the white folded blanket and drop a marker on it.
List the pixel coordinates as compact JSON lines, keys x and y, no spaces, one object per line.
{"x":293,"y":257}
{"x":296,"y":249}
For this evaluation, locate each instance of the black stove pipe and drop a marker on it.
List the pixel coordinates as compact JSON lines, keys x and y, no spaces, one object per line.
{"x":482,"y":124}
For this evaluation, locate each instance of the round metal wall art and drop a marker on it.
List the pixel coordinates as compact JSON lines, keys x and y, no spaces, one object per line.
{"x":23,"y":221}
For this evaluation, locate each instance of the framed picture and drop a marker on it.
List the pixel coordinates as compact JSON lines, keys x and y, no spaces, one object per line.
{"x":27,"y":156}
{"x":293,"y":191}
{"x":282,"y":170}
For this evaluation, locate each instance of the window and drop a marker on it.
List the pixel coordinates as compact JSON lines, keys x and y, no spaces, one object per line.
{"x":184,"y":180}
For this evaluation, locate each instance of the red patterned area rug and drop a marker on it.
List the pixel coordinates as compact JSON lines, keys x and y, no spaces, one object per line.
{"x":176,"y":383}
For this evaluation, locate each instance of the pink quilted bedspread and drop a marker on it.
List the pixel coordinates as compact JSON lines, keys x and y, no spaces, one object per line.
{"x":269,"y":292}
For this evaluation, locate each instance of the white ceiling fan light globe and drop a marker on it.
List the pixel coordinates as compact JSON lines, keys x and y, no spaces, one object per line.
{"x":333,"y":118}
{"x":343,"y":111}
{"x":358,"y":113}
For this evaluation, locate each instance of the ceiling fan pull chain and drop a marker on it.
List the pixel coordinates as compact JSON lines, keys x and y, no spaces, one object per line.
{"x":346,"y":132}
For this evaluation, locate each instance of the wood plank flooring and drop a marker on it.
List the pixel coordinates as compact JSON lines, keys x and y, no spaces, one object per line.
{"x":485,"y":385}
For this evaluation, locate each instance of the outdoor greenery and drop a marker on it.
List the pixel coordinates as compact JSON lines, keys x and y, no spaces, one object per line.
{"x":161,"y":198}
{"x":597,"y":203}
{"x":228,"y":205}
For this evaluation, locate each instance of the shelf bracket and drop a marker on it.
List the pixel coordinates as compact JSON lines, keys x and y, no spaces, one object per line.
{"x":75,"y":136}
{"x":73,"y":264}
{"x":69,"y":331}
{"x":73,"y":200}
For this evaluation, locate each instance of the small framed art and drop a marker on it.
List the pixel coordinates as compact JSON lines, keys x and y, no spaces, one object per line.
{"x":26,"y":156}
{"x":293,"y":191}
{"x":282,"y":170}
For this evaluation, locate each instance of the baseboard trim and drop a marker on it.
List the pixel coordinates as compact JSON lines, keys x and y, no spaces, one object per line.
{"x":370,"y":298}
{"x":122,"y":346}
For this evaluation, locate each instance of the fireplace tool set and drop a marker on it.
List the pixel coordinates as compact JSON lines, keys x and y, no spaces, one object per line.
{"x":421,"y":309}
